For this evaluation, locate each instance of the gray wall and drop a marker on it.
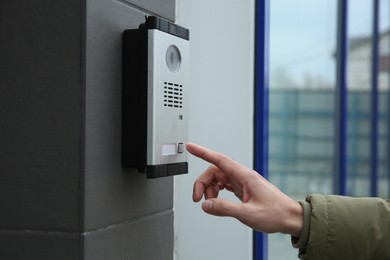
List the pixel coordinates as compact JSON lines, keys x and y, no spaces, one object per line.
{"x":63,"y":191}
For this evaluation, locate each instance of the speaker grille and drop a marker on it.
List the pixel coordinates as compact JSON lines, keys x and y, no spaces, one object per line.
{"x":173,"y":95}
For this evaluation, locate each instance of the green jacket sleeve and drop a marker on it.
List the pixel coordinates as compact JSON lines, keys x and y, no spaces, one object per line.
{"x":348,"y":228}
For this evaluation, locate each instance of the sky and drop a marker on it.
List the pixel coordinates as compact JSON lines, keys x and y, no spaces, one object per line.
{"x":303,"y":37}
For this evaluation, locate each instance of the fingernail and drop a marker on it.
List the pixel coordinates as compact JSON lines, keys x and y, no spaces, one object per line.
{"x":208,"y":205}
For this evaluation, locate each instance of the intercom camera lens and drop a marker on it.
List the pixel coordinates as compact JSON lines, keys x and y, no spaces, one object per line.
{"x":173,"y":58}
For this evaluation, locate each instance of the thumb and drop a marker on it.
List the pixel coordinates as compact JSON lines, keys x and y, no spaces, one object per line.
{"x":222,"y":207}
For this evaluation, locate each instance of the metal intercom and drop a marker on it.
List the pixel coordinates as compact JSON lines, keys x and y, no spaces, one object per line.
{"x":155,"y":89}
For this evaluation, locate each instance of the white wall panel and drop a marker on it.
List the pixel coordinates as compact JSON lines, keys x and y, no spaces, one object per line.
{"x":220,"y":116}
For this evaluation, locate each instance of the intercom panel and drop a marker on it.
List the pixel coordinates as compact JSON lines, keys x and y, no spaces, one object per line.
{"x":155,"y":89}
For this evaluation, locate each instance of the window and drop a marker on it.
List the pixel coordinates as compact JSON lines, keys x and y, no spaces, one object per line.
{"x":299,"y":89}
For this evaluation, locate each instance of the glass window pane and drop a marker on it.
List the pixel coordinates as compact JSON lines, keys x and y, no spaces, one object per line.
{"x":359,"y":87}
{"x":301,"y":116}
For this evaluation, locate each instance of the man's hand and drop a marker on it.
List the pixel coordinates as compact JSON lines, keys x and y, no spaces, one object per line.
{"x":264,"y":207}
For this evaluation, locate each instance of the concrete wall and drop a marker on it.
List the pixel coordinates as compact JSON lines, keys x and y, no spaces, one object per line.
{"x":41,"y":115}
{"x":221,"y":117}
{"x":63,"y":192}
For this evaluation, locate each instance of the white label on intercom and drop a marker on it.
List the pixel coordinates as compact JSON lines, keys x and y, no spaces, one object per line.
{"x":168,"y":149}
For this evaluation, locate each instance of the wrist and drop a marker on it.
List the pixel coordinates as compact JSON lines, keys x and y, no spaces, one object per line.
{"x":301,"y":241}
{"x":294,"y":219}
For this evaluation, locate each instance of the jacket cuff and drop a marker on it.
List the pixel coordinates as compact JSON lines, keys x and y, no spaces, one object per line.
{"x":301,"y":242}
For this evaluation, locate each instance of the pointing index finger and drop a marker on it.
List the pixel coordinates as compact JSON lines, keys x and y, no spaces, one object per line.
{"x":224,"y":163}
